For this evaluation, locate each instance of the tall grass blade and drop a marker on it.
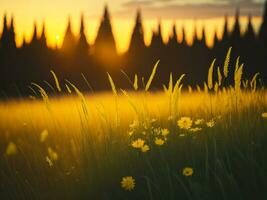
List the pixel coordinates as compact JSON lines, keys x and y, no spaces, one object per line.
{"x":50,"y":86}
{"x":113,"y":87}
{"x":237,"y":63}
{"x":219,"y":76}
{"x":56,"y":80}
{"x":33,"y":90}
{"x":68,"y":88}
{"x":87,"y":83}
{"x":210,"y":75}
{"x":135,"y":82}
{"x":226,"y":63}
{"x":178,"y":82}
{"x":151,"y":76}
{"x":127,"y":77}
{"x":43,"y":94}
{"x":170,"y":84}
{"x":253,"y":82}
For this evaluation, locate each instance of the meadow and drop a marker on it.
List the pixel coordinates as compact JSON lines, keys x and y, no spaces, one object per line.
{"x":205,"y":142}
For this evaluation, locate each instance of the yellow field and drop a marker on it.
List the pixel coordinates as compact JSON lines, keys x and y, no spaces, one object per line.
{"x":67,"y":112}
{"x":207,"y":143}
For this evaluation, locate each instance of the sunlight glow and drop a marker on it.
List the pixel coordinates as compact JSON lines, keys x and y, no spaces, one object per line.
{"x":55,"y":29}
{"x":57,"y":38}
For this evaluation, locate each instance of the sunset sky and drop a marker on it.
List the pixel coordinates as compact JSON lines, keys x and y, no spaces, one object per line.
{"x":207,"y":13}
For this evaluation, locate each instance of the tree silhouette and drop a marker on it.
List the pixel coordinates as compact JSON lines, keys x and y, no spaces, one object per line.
{"x":173,"y":42}
{"x":157,"y":41}
{"x":216,"y":40}
{"x":5,"y":34}
{"x":263,"y":28}
{"x":137,"y":39}
{"x":226,"y":36}
{"x":105,"y":47}
{"x":82,"y":44}
{"x":35,"y":40}
{"x":43,"y":37}
{"x":32,"y":62}
{"x":69,"y":39}
{"x":137,"y":51}
{"x":235,"y":36}
{"x":12,"y":43}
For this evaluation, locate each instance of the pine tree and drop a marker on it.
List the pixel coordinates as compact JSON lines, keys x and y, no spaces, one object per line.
{"x":105,"y":42}
{"x":236,"y":33}
{"x":69,"y":39}
{"x":34,"y":41}
{"x":173,"y":38}
{"x":202,"y":41}
{"x":216,"y":40}
{"x":157,"y":41}
{"x":225,"y":36}
{"x":8,"y":34}
{"x":263,"y":27}
{"x":250,"y":34}
{"x":137,"y":39}
{"x":12,"y":42}
{"x":183,"y":42}
{"x":5,"y":33}
{"x":82,"y":45}
{"x":43,"y":41}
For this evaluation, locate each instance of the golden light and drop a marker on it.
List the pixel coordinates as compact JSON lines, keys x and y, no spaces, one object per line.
{"x":56,"y":27}
{"x":57,"y":40}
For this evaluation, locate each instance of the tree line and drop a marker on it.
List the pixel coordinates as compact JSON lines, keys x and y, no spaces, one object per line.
{"x":76,"y":60}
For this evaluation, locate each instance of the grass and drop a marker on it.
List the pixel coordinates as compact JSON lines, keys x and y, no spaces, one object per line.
{"x":208,"y":143}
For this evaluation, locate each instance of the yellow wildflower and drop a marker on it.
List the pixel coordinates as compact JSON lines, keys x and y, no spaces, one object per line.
{"x":145,"y":148}
{"x":128,"y":183}
{"x":145,"y":126}
{"x":49,"y":161}
{"x":188,"y":171}
{"x":153,"y":120}
{"x":211,"y":123}
{"x":159,"y":141}
{"x":199,"y":121}
{"x":157,"y":131}
{"x":264,"y":115}
{"x":43,"y":135}
{"x":130,"y":133}
{"x":52,"y":154}
{"x":11,"y":149}
{"x":165,"y":132}
{"x":139,"y":143}
{"x":135,"y":124}
{"x":185,"y":123}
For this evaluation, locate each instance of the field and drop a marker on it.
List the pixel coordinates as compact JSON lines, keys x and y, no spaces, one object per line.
{"x":207,"y":143}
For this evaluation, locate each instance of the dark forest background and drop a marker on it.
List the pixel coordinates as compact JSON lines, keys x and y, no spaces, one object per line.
{"x":32,"y":62}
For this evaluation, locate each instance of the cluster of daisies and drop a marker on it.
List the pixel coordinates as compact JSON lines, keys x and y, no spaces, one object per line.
{"x":151,"y":131}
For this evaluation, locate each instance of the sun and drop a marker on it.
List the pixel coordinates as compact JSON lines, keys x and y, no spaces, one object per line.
{"x":57,"y":40}
{"x":57,"y":37}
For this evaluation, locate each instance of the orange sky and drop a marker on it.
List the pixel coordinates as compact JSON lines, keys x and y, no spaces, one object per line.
{"x":55,"y":15}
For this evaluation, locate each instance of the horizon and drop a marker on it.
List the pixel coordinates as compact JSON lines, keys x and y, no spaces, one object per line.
{"x":55,"y":27}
